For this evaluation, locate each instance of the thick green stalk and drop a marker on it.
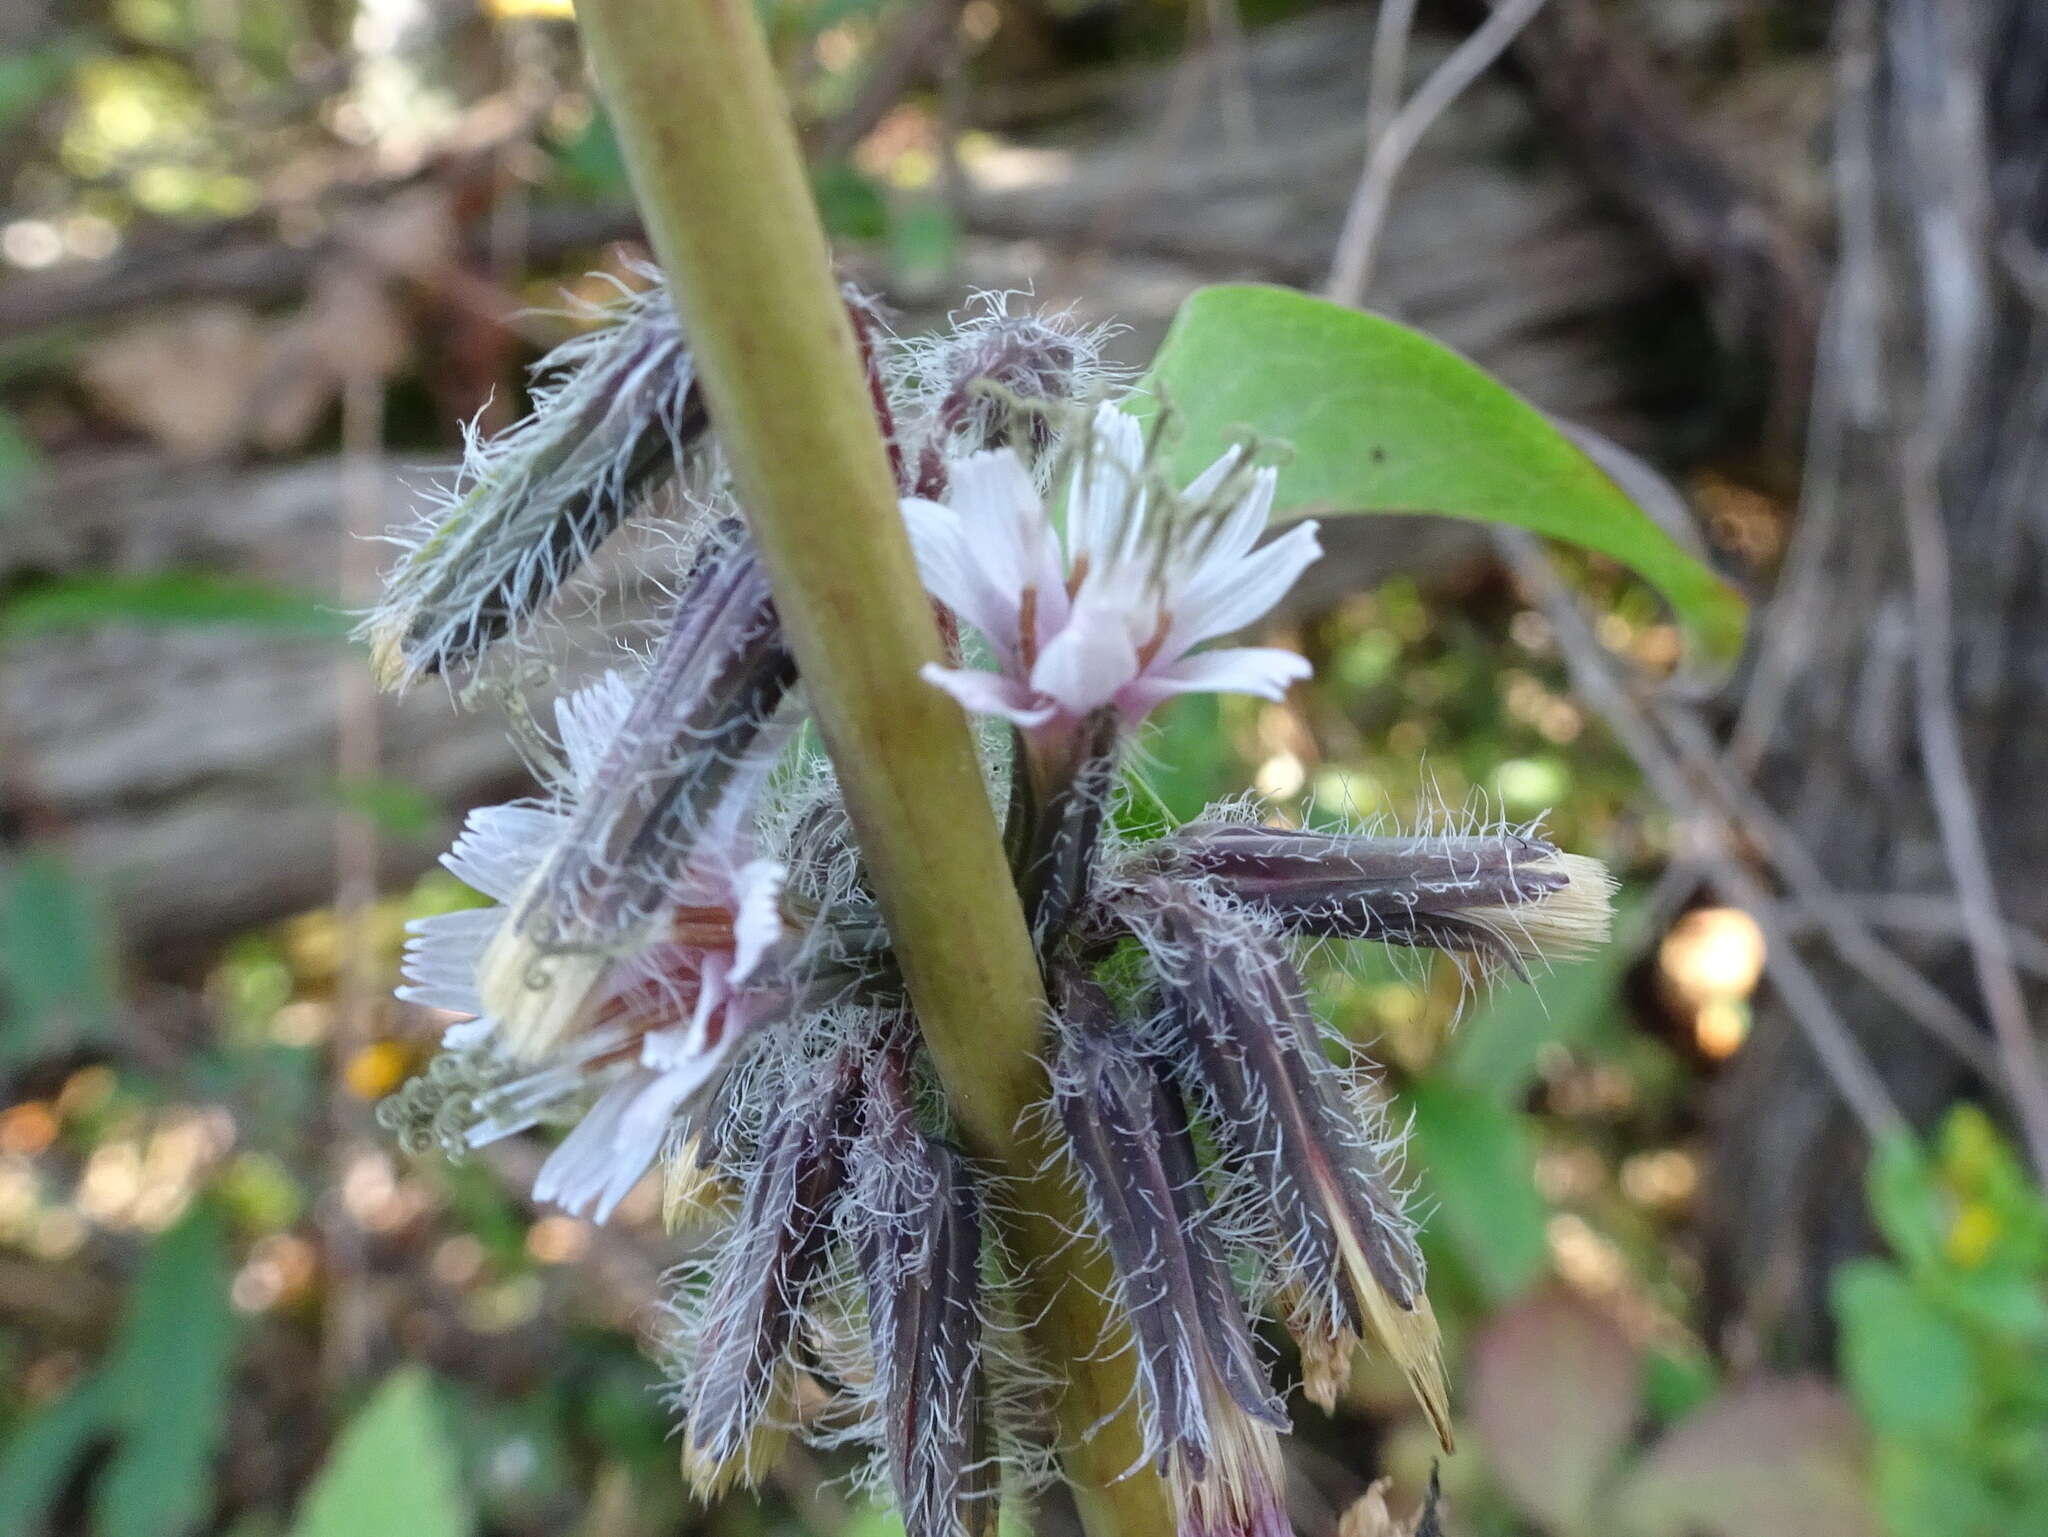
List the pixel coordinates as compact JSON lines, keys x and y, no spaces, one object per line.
{"x":720,"y":179}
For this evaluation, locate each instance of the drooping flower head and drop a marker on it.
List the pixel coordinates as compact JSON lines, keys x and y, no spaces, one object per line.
{"x":662,"y":1016}
{"x":1209,"y":1413}
{"x":616,"y":413}
{"x":1108,"y":610}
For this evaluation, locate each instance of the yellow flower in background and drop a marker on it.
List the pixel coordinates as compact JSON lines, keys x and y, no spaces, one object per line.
{"x":522,"y":10}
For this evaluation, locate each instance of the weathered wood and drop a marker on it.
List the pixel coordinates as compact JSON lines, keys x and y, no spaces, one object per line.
{"x":1934,"y":374}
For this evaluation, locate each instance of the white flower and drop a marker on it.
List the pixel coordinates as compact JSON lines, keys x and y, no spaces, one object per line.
{"x":664,"y":1017}
{"x":1111,"y":612}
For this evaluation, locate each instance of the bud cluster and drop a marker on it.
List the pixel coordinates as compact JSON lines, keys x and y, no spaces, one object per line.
{"x":682,"y":963}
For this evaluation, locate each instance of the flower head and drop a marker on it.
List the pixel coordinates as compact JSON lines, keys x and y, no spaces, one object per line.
{"x":1235,"y":1022}
{"x":917,"y":1243}
{"x":774,"y":1256}
{"x":616,"y":414}
{"x":1503,"y":898}
{"x":662,"y":1016}
{"x":1210,"y":1416}
{"x":666,"y":794}
{"x":1110,"y":611}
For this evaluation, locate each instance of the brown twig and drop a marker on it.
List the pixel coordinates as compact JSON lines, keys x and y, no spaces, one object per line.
{"x":1848,"y":1067}
{"x":1352,"y":267}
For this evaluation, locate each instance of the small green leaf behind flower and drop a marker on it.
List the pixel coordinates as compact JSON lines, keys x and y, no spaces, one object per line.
{"x":1376,"y":417}
{"x":393,"y":1470}
{"x":161,"y":1397}
{"x":169,"y":598}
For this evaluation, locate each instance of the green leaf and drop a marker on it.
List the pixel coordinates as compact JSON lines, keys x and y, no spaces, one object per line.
{"x":38,"y":1459}
{"x":1903,"y":1198}
{"x":167,"y":598}
{"x":29,"y":78}
{"x":850,"y":203}
{"x":1674,"y":1385}
{"x":1381,"y":419}
{"x":1185,"y":764}
{"x":1477,"y":1161}
{"x":19,"y":460}
{"x":1497,"y":1050}
{"x":924,"y":242}
{"x":56,"y":960}
{"x":392,"y":1471}
{"x":2011,"y":1303}
{"x":1908,"y":1365}
{"x":1925,"y":1491}
{"x":170,"y":1366}
{"x":396,"y":807}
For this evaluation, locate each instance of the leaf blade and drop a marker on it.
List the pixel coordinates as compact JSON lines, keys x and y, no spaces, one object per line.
{"x":392,"y":1470}
{"x":1382,"y":419}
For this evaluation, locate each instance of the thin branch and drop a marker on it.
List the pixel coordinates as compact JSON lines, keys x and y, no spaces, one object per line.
{"x":1939,"y":916}
{"x":1390,"y":32}
{"x":913,"y":47}
{"x":1955,"y":806}
{"x":1848,"y":1067}
{"x":1233,"y":87}
{"x":1919,"y":999}
{"x":1351,"y":271}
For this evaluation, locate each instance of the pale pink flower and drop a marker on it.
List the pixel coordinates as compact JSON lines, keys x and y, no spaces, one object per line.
{"x":1110,"y":611}
{"x":663,"y":1017}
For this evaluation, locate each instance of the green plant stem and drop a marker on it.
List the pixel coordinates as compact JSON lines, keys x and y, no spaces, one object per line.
{"x":714,"y":160}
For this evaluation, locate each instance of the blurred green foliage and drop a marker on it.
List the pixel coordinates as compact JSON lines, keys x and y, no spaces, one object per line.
{"x":164,"y":598}
{"x":392,"y":1470}
{"x":1945,"y":1344}
{"x":56,"y":960}
{"x":160,"y":1398}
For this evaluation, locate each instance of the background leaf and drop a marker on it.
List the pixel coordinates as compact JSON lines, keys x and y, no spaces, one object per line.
{"x":1497,"y":1050}
{"x":56,"y":960}
{"x":391,"y":1471}
{"x":1908,"y":1365}
{"x":170,"y":1371}
{"x":1778,"y":1458}
{"x":174,"y":597}
{"x":1185,"y":763}
{"x":1555,"y":1392}
{"x":39,"y":1457}
{"x":1380,"y":418}
{"x":1477,"y":1161}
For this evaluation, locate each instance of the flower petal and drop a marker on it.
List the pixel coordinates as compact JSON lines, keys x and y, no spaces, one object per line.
{"x":1266,"y":671}
{"x":955,"y":570}
{"x":500,"y":846}
{"x":589,"y":721}
{"x":1204,"y":485}
{"x":1092,"y":658}
{"x":602,"y":1158}
{"x":757,"y":913}
{"x":990,"y":693}
{"x":1100,"y":506}
{"x":1233,"y":589}
{"x":1002,"y":517}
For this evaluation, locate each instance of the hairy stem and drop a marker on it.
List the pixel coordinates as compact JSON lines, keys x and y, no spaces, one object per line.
{"x":715,"y":162}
